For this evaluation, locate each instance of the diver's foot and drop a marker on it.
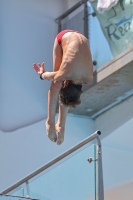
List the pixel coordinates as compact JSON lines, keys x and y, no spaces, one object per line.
{"x":60,"y":136}
{"x":51,"y":133}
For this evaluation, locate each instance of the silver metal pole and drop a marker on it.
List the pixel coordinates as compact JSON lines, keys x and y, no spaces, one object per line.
{"x":86,"y":20}
{"x":100,"y":170}
{"x":27,"y":189}
{"x":59,"y":25}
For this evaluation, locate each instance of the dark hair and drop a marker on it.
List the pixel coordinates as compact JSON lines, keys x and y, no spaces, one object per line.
{"x":70,"y":95}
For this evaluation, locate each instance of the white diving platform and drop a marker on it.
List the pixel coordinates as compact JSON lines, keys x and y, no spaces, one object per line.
{"x":112,"y":83}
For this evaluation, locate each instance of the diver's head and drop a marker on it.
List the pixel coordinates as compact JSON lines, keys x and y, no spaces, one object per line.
{"x":69,"y":94}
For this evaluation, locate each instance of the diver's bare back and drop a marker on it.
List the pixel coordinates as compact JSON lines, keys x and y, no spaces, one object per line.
{"x":76,"y":62}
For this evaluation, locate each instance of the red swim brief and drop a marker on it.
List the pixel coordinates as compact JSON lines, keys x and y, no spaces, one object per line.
{"x":60,"y":35}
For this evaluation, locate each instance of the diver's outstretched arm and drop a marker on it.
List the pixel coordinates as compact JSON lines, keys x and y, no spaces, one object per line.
{"x":41,"y":71}
{"x":53,"y":94}
{"x":56,"y":75}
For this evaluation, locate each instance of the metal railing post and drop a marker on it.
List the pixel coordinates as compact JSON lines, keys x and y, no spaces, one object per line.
{"x":58,"y":21}
{"x":70,"y":10}
{"x":86,"y":20}
{"x":99,"y":170}
{"x":27,"y":189}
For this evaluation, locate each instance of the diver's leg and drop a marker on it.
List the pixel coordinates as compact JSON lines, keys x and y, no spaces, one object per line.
{"x":60,"y":125}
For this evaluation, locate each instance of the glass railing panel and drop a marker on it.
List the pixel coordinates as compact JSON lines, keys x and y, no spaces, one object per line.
{"x":73,"y":178}
{"x":19,"y":191}
{"x":99,"y":46}
{"x":111,"y":32}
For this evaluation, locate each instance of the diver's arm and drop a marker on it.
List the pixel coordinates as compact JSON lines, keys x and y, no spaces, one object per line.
{"x":49,"y":75}
{"x":56,"y":75}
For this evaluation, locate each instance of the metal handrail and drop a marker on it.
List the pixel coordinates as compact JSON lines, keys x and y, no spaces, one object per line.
{"x":59,"y":158}
{"x":77,"y":5}
{"x":70,"y":10}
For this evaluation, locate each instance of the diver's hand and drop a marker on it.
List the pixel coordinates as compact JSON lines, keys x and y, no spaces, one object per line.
{"x":60,"y":136}
{"x":39,"y":68}
{"x":50,"y":130}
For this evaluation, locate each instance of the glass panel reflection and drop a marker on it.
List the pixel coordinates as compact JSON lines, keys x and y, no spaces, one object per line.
{"x":19,"y":191}
{"x":73,"y":179}
{"x":110,"y":32}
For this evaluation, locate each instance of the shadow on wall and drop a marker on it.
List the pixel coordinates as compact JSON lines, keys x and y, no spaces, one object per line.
{"x":24,"y":39}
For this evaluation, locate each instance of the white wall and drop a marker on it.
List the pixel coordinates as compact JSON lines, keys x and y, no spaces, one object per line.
{"x":28,"y":30}
{"x":25,"y":150}
{"x":115,"y":117}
